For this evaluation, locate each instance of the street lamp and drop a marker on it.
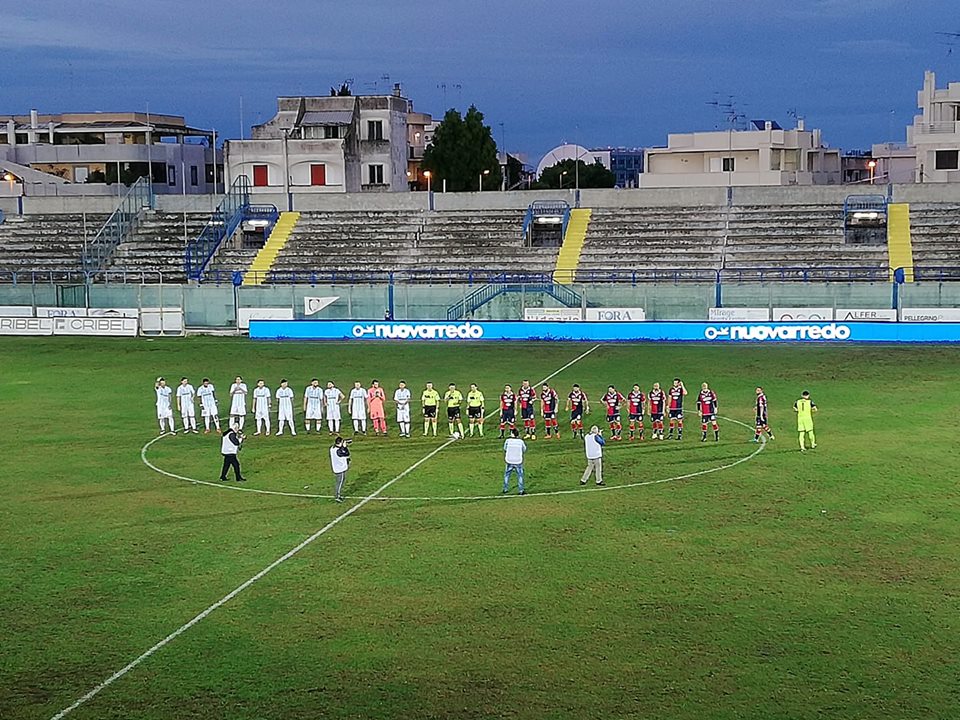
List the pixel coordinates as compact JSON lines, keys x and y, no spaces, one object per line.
{"x":480,"y":184}
{"x":561,"y":178}
{"x":872,"y":164}
{"x":428,"y":175}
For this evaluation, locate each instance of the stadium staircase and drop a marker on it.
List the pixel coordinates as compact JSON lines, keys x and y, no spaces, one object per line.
{"x":569,"y":258}
{"x":899,"y":246}
{"x":504,"y":284}
{"x":122,"y":223}
{"x":222,"y":224}
{"x":262,"y":264}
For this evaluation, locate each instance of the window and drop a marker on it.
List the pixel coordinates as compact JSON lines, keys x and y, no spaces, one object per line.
{"x":376,"y":174}
{"x":374,"y":129}
{"x":259,"y":175}
{"x":171,"y":175}
{"x":331,"y":132}
{"x":194,"y":175}
{"x":318,"y":174}
{"x":728,"y":164}
{"x":947,"y":160}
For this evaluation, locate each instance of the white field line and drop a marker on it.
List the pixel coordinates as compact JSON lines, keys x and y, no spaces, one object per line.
{"x":93,"y":692}
{"x":454,"y":498}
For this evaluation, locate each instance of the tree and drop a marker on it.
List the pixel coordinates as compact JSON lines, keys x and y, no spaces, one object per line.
{"x":593,"y":175}
{"x":462,"y":150}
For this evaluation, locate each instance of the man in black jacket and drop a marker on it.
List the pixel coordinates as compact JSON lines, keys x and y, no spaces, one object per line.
{"x":229,"y":447}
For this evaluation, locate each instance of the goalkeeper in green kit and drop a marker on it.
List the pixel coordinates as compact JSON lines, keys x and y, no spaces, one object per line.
{"x":805,"y":408}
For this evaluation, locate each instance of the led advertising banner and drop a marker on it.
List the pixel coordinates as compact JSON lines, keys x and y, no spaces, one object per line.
{"x":722,"y":333}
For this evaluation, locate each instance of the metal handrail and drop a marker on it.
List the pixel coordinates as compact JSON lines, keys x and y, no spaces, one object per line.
{"x":222,"y":224}
{"x":118,"y":227}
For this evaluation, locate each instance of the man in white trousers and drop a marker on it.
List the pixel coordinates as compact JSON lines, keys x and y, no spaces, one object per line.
{"x":208,"y":406}
{"x":285,"y":407}
{"x":593,"y":445}
{"x":187,"y":400}
{"x":358,"y":408}
{"x":238,"y":402}
{"x":402,"y":398}
{"x":164,"y":407}
{"x":262,"y":401}
{"x":313,"y":404}
{"x":332,"y":397}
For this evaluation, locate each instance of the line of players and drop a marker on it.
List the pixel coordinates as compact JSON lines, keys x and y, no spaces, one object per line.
{"x":363,"y":402}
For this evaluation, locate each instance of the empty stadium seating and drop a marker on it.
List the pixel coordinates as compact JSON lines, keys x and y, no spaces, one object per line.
{"x":157,"y":245}
{"x":795,"y":236}
{"x":935,"y":235}
{"x":652,"y":239}
{"x":439,"y":245}
{"x":50,"y":244}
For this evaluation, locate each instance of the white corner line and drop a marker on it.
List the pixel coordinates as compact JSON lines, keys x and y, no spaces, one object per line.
{"x":93,"y":692}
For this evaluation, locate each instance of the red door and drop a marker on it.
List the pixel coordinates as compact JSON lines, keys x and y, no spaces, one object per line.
{"x":318,"y":174}
{"x":259,"y":175}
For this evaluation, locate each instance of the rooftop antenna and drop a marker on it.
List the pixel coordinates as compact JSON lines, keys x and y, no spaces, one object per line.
{"x":729,"y":110}
{"x":950,"y":39}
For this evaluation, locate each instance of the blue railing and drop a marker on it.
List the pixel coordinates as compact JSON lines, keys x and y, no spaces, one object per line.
{"x":482,"y":295}
{"x":119,"y":226}
{"x":222,"y":224}
{"x":546,"y":208}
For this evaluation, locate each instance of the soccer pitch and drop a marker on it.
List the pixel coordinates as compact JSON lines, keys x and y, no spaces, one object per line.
{"x":730,"y":580}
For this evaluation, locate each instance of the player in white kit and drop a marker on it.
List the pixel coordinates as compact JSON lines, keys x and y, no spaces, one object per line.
{"x":208,"y":406}
{"x":332,"y":398}
{"x":164,"y":408}
{"x":313,"y":404}
{"x":187,"y":401}
{"x":358,"y":408}
{"x":262,"y":400}
{"x":402,"y":398}
{"x":238,"y":402}
{"x":285,"y":408}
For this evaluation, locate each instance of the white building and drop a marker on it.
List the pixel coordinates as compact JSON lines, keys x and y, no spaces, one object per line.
{"x":935,"y":133}
{"x":568,"y":151}
{"x":764,"y":155}
{"x":327,"y":144}
{"x":87,"y":150}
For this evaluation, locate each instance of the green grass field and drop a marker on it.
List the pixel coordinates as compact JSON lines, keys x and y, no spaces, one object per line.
{"x":822,"y":585}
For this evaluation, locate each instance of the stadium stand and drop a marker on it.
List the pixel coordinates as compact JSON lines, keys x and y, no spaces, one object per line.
{"x":157,"y":245}
{"x":652,"y":239}
{"x":49,"y":244}
{"x":438,"y":245}
{"x":935,"y":234}
{"x":795,"y":236}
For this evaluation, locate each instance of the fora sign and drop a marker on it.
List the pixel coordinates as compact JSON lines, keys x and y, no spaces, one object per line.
{"x":616,"y":314}
{"x":787,"y":333}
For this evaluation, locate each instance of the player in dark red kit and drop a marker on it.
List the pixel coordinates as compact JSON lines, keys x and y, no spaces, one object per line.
{"x":635,"y":402}
{"x":763,"y":425}
{"x":613,"y":400}
{"x":549,"y":404}
{"x":658,"y":404}
{"x":707,"y":409}
{"x":578,"y":405}
{"x":508,"y":409}
{"x":527,"y":397}
{"x":675,"y":397}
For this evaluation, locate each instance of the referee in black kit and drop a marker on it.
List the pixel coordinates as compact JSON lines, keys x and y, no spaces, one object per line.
{"x":229,"y":447}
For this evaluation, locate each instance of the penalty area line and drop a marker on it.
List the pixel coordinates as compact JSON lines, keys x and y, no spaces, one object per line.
{"x":97,"y":689}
